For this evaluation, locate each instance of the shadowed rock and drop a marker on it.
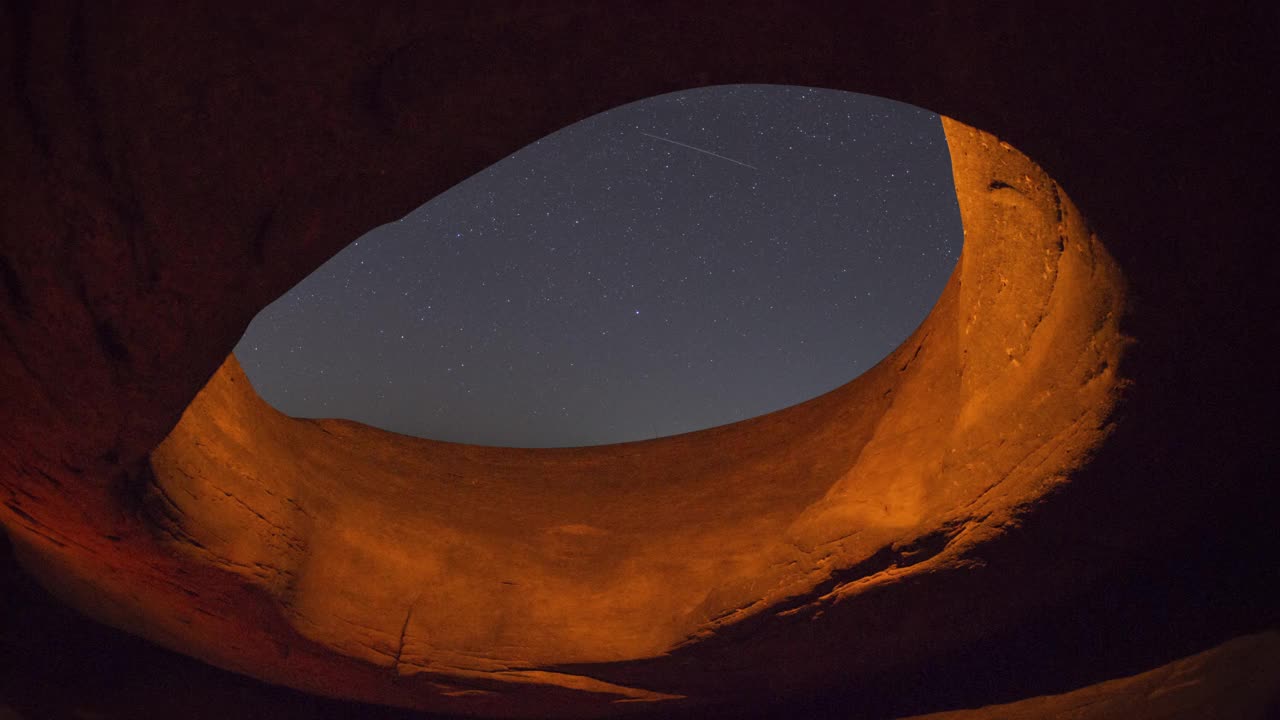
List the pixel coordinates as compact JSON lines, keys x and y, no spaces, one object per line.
{"x":1009,"y":473}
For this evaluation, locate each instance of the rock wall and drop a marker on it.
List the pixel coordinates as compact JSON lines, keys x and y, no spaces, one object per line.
{"x":1070,"y":453}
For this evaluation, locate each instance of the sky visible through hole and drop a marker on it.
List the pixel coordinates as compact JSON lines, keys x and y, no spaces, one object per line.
{"x":681,"y":262}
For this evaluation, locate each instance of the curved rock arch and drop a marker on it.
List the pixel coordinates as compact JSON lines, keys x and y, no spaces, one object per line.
{"x":242,"y":547}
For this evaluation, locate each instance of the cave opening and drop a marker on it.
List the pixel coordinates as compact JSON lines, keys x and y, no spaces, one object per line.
{"x":681,"y":262}
{"x":628,"y":556}
{"x":989,"y":512}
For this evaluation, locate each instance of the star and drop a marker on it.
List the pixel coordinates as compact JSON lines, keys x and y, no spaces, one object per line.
{"x":775,"y":238}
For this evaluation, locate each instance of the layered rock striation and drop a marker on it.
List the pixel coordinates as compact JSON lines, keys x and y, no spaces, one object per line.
{"x":1064,"y":461}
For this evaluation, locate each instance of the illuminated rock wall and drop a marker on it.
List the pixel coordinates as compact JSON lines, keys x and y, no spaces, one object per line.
{"x":1067,"y":454}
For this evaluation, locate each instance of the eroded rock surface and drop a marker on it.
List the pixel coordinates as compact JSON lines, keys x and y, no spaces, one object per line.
{"x":1234,"y":681}
{"x":453,"y":573}
{"x":975,"y":498}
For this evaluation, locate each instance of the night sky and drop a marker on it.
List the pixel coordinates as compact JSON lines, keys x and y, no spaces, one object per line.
{"x":677,"y":263}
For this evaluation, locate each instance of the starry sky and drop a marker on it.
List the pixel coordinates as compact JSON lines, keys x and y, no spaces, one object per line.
{"x":681,"y":262}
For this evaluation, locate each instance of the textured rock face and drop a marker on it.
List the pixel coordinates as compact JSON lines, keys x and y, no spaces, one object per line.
{"x":974,"y":499}
{"x":463,"y":577}
{"x":1235,"y":680}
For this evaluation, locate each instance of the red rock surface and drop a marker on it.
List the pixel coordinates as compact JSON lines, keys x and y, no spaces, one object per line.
{"x":974,"y":521}
{"x":1235,"y":680}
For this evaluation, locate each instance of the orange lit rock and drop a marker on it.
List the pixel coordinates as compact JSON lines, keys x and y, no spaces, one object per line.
{"x":1019,"y":494}
{"x":1234,"y":680}
{"x":454,"y":576}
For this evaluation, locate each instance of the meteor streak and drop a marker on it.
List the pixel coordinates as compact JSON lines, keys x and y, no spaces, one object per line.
{"x":697,"y":149}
